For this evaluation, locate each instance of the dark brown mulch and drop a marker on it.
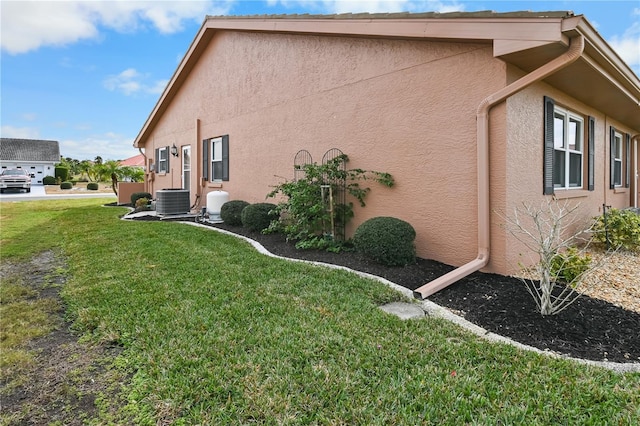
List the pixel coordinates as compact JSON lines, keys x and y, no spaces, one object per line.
{"x":590,"y":328}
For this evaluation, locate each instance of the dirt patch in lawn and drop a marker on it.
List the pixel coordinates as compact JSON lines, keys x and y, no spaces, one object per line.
{"x":68,"y":382}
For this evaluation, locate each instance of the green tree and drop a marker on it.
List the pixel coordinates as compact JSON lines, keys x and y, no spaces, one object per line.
{"x":111,"y":170}
{"x":84,"y":167}
{"x":135,"y":174}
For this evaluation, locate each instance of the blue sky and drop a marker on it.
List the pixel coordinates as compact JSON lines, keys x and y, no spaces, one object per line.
{"x":88,"y":73}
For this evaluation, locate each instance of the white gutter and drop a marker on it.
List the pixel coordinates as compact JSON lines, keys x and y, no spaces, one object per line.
{"x":575,"y":50}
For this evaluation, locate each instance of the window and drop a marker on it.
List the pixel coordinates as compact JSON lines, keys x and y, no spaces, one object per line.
{"x":616,"y":159}
{"x":568,"y":148}
{"x":216,"y":158}
{"x":162,"y":160}
{"x":565,"y":155}
{"x":620,"y":167}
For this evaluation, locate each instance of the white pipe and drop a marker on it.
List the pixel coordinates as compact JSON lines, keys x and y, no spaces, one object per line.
{"x":575,"y":50}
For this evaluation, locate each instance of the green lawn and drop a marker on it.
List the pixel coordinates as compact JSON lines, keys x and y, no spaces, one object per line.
{"x":215,"y":333}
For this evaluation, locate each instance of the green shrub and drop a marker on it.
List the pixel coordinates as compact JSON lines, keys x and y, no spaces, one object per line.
{"x":622,"y":230}
{"x":66,"y":185}
{"x":62,"y":173}
{"x":386,"y":240}
{"x":306,"y":214}
{"x":92,"y":186}
{"x":257,"y":217}
{"x":49,"y":180}
{"x":136,"y":195}
{"x":568,"y":267}
{"x":231,"y":212}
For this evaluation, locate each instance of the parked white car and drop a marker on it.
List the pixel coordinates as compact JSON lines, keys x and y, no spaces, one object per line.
{"x":15,"y":179}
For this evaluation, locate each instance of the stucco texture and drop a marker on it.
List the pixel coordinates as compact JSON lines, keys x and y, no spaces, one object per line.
{"x":524,"y":165}
{"x":397,"y":106}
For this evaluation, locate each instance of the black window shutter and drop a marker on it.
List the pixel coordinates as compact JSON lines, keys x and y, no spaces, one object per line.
{"x":548,"y":146}
{"x":225,"y":158}
{"x":592,"y":154}
{"x":157,"y":162}
{"x":612,"y":158}
{"x":167,"y":155}
{"x":205,"y":159}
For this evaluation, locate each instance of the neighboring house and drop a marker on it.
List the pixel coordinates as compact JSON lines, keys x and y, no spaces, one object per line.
{"x":38,"y":157}
{"x":135,"y":161}
{"x":472,"y":113}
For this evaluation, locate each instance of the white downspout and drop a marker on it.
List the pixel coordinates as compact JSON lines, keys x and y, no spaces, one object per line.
{"x":482,"y":136}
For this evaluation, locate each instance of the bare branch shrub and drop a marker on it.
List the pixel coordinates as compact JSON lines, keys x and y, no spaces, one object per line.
{"x":558,"y":240}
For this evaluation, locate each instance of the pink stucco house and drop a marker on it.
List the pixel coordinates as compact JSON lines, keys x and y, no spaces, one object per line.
{"x":472,"y":113}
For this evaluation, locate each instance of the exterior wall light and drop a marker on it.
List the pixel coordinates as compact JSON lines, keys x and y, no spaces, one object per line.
{"x":174,"y":150}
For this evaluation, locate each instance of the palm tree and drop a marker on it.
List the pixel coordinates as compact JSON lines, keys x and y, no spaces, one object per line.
{"x":84,"y":168}
{"x":111,"y":169}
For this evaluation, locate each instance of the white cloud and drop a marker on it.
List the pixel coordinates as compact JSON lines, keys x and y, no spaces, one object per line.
{"x":19,"y":132}
{"x":109,"y":146}
{"x":28,"y":25}
{"x":158,"y":87}
{"x":131,"y":82}
{"x":628,"y":45}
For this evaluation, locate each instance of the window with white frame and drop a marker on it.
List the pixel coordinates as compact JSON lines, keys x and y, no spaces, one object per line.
{"x":568,"y":149}
{"x":163,"y":163}
{"x":215,"y":155}
{"x":216,"y":159}
{"x":616,"y":158}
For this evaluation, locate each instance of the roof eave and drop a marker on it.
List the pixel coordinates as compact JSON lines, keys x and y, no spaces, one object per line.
{"x":516,"y":33}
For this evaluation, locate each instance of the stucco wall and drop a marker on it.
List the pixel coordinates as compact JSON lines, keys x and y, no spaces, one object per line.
{"x":525,"y":147}
{"x":127,"y":189}
{"x":403,"y":107}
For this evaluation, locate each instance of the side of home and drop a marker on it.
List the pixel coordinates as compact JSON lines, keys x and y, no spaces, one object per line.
{"x":453,"y":107}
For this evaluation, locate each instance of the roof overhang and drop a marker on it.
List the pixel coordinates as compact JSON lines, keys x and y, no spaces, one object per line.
{"x":526,"y":40}
{"x":599,"y":78}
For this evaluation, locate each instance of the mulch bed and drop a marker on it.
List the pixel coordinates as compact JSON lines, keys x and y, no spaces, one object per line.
{"x":590,"y":328}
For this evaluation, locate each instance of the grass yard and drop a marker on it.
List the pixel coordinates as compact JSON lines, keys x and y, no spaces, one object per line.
{"x":215,"y":333}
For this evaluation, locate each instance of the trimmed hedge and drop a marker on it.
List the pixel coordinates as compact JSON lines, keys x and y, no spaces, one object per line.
{"x":386,"y":240}
{"x":257,"y":217}
{"x":93,"y":186}
{"x":66,"y":185}
{"x":49,"y":180}
{"x":231,"y":212}
{"x":62,"y":173}
{"x":136,"y":195}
